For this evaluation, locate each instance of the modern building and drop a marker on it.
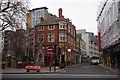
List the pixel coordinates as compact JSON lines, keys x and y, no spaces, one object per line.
{"x":91,"y":42}
{"x":8,"y":49}
{"x":57,"y":35}
{"x":1,"y":42}
{"x":36,"y":15}
{"x":1,"y":46}
{"x":78,"y":54}
{"x":81,"y":49}
{"x":31,"y":44}
{"x":15,"y":47}
{"x":108,"y":23}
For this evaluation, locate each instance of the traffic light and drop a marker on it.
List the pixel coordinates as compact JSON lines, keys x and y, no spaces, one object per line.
{"x":59,"y":50}
{"x":54,"y":49}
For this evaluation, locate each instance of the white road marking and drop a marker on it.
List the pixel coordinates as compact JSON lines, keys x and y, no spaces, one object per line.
{"x":58,"y":76}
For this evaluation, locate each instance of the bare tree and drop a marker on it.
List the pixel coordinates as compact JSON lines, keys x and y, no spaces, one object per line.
{"x":19,"y":44}
{"x":12,"y":14}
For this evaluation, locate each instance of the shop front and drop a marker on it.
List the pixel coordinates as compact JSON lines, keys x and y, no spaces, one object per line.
{"x":111,"y":56}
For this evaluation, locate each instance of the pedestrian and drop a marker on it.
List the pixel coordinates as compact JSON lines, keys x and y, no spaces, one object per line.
{"x":55,"y":64}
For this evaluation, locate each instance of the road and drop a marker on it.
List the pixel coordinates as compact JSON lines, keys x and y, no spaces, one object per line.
{"x":87,"y":68}
{"x":83,"y":71}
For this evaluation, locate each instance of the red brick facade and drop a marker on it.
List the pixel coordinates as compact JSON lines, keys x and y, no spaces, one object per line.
{"x":64,"y":37}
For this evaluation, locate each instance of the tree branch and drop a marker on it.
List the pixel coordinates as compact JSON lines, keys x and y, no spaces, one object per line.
{"x":6,"y":7}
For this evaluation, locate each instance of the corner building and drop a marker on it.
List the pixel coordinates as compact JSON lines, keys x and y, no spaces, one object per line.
{"x":59,"y":35}
{"x":108,"y":23}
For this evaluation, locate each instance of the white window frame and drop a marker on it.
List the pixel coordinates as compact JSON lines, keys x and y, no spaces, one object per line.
{"x":41,"y":28}
{"x":51,"y":27}
{"x":72,"y":32}
{"x":62,"y":25}
{"x":52,"y":37}
{"x":69,"y":28}
{"x":62,"y":37}
{"x":69,"y":39}
{"x":41,"y":36}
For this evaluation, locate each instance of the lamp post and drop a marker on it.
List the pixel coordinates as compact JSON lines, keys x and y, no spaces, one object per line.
{"x":69,"y":57}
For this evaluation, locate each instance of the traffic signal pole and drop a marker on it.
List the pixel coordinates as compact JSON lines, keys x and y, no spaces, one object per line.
{"x":55,"y":58}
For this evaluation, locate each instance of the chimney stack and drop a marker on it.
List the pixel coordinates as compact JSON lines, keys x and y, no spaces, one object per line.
{"x":42,"y":19}
{"x":60,"y":12}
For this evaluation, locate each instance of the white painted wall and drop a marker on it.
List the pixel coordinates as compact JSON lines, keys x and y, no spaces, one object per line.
{"x":86,"y":38}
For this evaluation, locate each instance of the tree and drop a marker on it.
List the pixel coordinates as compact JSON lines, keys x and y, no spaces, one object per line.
{"x":19,"y":43}
{"x":12,"y":14}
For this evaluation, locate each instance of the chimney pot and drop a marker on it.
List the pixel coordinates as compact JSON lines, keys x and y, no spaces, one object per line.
{"x":42,"y":19}
{"x":60,"y":12}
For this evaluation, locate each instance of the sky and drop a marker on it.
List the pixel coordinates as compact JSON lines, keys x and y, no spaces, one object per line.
{"x":82,"y":13}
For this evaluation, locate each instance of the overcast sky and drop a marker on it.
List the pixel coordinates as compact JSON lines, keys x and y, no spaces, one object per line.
{"x":83,"y":13}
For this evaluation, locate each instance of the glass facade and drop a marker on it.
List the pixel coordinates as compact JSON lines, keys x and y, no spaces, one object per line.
{"x":36,"y":16}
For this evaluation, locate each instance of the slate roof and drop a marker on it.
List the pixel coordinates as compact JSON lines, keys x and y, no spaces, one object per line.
{"x":50,"y":20}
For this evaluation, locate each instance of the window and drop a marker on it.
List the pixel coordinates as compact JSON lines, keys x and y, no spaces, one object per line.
{"x":62,"y":37}
{"x":51,"y":27}
{"x":51,"y":37}
{"x":68,"y":28}
{"x":62,"y":25}
{"x":72,"y":41}
{"x":41,"y":28}
{"x":74,"y":33}
{"x":71,"y":31}
{"x":68,"y":39}
{"x":41,"y":38}
{"x":91,"y":53}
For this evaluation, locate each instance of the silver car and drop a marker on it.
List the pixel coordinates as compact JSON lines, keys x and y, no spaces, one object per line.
{"x":94,"y":61}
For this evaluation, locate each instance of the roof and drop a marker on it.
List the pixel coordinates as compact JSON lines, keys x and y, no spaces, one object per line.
{"x":50,"y":20}
{"x":40,"y":8}
{"x":53,"y":20}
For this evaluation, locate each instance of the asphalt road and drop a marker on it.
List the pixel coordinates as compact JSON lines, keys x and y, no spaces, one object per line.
{"x":59,"y":77}
{"x":83,"y":71}
{"x":87,"y":68}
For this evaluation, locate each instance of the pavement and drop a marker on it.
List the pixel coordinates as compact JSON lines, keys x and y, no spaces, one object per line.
{"x":46,"y":70}
{"x":23,"y":70}
{"x":110,"y":69}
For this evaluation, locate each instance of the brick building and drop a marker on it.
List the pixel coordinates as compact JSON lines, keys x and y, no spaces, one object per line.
{"x":57,"y":37}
